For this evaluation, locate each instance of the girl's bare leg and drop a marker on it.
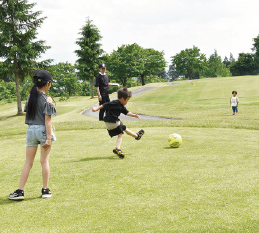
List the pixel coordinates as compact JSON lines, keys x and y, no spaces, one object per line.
{"x":44,"y":160}
{"x":30,"y":156}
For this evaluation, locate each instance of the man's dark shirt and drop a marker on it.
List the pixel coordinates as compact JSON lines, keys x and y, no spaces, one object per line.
{"x":102,"y":81}
{"x":113,"y":110}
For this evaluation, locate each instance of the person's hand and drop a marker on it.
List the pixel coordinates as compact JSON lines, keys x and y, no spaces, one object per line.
{"x":100,"y":98}
{"x":137,"y":116}
{"x":94,"y":109}
{"x":47,"y":144}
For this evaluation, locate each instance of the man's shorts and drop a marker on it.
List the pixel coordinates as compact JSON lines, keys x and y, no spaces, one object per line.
{"x":36,"y":134}
{"x":115,"y":129}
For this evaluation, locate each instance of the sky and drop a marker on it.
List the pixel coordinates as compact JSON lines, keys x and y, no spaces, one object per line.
{"x":227,"y":26}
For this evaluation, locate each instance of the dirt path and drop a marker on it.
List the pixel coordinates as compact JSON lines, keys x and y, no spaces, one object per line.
{"x":139,"y":91}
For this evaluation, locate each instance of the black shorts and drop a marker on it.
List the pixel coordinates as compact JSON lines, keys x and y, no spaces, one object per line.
{"x":117,"y":131}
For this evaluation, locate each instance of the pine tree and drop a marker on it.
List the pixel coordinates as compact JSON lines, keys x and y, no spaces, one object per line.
{"x":18,"y":46}
{"x":89,"y":53}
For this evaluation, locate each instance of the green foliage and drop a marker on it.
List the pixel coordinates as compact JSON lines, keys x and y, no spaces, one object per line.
{"x":245,"y":65}
{"x":64,"y":97}
{"x":19,"y":47}
{"x":215,"y":67}
{"x":256,"y":50}
{"x":172,"y":72}
{"x":256,"y":46}
{"x":25,"y":89}
{"x":154,"y":79}
{"x":132,"y":60}
{"x":189,"y":61}
{"x":154,"y":63}
{"x":67,"y":80}
{"x":124,"y":63}
{"x":89,"y":53}
{"x":7,"y":90}
{"x":227,"y":61}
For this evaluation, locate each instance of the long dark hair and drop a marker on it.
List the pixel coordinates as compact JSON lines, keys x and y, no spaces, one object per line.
{"x":33,"y":100}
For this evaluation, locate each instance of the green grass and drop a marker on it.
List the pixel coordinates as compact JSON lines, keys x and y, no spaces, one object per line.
{"x":208,"y":184}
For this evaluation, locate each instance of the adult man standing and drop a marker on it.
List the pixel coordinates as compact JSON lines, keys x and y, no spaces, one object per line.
{"x":102,"y":85}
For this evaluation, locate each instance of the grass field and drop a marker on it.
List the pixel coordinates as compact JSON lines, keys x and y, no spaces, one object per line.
{"x":208,"y":184}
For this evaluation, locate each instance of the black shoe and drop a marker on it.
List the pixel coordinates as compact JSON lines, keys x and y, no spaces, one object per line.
{"x":17,"y":195}
{"x":46,"y":193}
{"x":119,"y":153}
{"x":140,"y":134}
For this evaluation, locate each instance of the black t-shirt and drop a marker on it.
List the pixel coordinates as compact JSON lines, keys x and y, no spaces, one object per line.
{"x":102,"y":81}
{"x":113,"y":110}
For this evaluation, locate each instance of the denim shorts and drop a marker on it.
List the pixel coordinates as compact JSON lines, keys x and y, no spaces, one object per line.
{"x":36,"y":134}
{"x":235,"y":108}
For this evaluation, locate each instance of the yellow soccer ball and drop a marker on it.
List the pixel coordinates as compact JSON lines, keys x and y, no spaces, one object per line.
{"x":174,"y":140}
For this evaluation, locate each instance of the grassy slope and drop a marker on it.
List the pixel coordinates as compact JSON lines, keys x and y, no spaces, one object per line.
{"x":209,"y":184}
{"x":206,"y":104}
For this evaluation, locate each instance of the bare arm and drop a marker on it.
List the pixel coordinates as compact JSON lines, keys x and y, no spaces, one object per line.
{"x":133,"y":115}
{"x":94,"y":109}
{"x":99,"y":94}
{"x":48,"y":126}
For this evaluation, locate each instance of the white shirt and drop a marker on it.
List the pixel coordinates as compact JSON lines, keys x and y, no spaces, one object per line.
{"x":234,"y":101}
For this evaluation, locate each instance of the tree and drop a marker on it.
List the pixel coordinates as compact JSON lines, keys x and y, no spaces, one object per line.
{"x":231,"y":58}
{"x":89,"y":53}
{"x":226,"y":61}
{"x":256,"y":46}
{"x":67,"y":79}
{"x":172,"y":72}
{"x":18,"y":46}
{"x":126,"y":62}
{"x":189,"y":61}
{"x":256,"y":50}
{"x":134,"y":61}
{"x":154,"y":63}
{"x":245,"y":65}
{"x":215,"y":68}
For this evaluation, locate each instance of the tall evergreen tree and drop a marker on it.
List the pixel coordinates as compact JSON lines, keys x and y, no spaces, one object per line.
{"x":89,"y":53}
{"x":216,"y":68}
{"x":226,"y":61}
{"x":256,"y":50}
{"x":18,"y":46}
{"x":231,"y":58}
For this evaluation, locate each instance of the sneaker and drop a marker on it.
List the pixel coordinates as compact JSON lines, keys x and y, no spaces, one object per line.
{"x":17,"y":195}
{"x":140,"y":134}
{"x":46,"y":193}
{"x":119,"y":153}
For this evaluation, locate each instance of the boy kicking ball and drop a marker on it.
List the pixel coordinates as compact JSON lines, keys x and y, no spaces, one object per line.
{"x":113,"y":124}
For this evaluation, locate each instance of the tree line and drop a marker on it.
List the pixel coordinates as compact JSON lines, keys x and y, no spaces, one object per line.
{"x":194,"y":64}
{"x":129,"y":65}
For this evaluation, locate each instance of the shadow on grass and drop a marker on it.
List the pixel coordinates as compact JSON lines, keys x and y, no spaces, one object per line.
{"x":6,"y":201}
{"x":171,"y":148}
{"x":6,"y":117}
{"x":97,"y":158}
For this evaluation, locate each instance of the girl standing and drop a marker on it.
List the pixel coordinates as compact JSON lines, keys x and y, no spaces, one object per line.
{"x":39,"y":109}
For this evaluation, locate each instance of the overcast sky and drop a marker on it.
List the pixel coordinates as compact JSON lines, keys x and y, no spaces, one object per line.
{"x":228,"y":26}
